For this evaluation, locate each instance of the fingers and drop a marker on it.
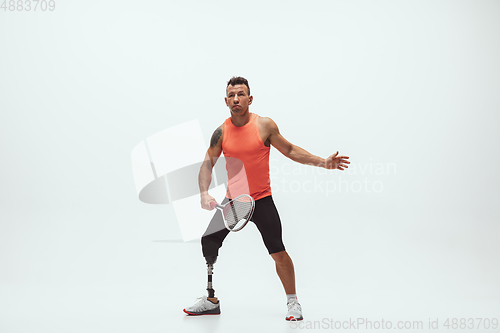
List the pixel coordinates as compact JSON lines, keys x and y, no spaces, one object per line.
{"x":337,"y":162}
{"x":207,"y":206}
{"x":331,"y":157}
{"x":338,"y":157}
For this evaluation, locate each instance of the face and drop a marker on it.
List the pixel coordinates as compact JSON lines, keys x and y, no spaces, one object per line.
{"x":237,"y":98}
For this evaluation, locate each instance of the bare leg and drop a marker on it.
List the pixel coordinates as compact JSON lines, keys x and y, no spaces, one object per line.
{"x":284,"y":268}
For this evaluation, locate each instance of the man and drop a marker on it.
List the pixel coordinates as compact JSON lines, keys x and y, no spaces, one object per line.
{"x":246,"y":138}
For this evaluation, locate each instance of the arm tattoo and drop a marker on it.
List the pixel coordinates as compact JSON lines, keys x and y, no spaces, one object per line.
{"x":215,"y":137}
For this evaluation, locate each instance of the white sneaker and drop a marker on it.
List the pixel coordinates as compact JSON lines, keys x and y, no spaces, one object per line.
{"x":203,"y":307}
{"x":294,"y":311}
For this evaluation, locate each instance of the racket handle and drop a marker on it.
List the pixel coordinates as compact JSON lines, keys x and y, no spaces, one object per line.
{"x":213,"y":204}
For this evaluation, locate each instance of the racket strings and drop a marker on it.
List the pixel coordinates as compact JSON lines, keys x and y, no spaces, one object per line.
{"x":237,"y":211}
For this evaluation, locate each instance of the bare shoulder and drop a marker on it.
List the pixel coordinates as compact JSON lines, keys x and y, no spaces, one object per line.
{"x":268,"y":124}
{"x":217,"y":136}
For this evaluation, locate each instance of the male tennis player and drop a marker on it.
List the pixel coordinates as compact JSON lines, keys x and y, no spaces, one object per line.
{"x":248,"y":138}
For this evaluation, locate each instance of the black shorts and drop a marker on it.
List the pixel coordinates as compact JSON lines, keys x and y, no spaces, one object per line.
{"x":265,"y":217}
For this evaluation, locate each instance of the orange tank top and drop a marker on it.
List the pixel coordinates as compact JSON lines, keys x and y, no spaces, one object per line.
{"x":247,"y":159}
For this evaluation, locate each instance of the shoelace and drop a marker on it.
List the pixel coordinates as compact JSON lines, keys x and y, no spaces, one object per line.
{"x":202,"y":303}
{"x":294,"y":304}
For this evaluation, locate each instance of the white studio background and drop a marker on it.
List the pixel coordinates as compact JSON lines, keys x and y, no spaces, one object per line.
{"x":407,"y":89}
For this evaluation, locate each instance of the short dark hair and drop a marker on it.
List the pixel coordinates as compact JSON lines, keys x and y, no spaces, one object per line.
{"x":238,"y":80}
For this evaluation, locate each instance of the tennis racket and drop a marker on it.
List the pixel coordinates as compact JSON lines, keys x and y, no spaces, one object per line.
{"x":237,"y":212}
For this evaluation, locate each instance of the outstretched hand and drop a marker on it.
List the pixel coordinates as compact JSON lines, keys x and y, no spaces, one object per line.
{"x":337,"y":162}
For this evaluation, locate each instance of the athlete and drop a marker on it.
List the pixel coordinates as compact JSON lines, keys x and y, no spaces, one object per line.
{"x":247,"y":138}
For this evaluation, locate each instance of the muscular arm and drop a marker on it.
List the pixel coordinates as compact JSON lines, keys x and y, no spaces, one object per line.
{"x":205,"y":175}
{"x":297,"y":153}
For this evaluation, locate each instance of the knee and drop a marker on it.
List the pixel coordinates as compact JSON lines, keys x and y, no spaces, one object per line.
{"x":280,"y":257}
